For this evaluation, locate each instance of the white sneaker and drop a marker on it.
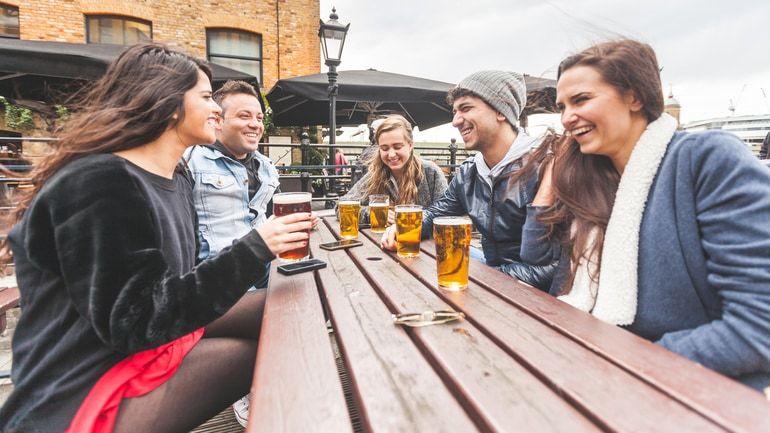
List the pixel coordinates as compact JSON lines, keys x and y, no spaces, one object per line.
{"x":241,"y":410}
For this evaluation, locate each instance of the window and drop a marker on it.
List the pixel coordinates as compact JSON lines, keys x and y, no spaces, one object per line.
{"x":117,"y":30}
{"x":235,"y":49}
{"x":9,"y":22}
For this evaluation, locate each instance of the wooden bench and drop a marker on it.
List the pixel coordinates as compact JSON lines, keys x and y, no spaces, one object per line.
{"x":520,"y":361}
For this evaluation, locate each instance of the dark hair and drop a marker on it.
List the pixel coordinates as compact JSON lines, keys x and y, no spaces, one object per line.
{"x":233,"y":88}
{"x":131,"y":105}
{"x":627,"y":65}
{"x":585,"y":185}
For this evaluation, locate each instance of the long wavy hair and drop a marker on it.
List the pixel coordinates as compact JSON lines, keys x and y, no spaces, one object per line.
{"x":412,"y":174}
{"x":131,"y":105}
{"x":585,"y":185}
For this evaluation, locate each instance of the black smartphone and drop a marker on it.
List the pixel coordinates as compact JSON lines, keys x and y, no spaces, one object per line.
{"x":345,"y":243}
{"x":301,"y":266}
{"x":364,"y":226}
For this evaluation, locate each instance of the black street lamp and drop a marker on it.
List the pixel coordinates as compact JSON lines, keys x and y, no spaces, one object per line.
{"x":332,"y":35}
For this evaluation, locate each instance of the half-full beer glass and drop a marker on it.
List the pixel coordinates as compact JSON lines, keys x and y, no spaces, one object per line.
{"x":452,"y":236}
{"x":408,"y":229}
{"x":378,"y":212}
{"x":349,"y":210}
{"x":287,"y":203}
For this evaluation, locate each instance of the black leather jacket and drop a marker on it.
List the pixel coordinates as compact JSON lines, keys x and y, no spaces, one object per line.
{"x":498,"y":214}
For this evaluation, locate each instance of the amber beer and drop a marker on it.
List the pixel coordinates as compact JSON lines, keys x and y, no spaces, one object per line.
{"x":288,"y":203}
{"x":378,"y":212}
{"x":349,"y":210}
{"x":452,"y":236}
{"x":408,"y":230}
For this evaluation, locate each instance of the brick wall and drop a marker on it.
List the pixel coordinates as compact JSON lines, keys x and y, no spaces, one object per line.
{"x":290,"y":45}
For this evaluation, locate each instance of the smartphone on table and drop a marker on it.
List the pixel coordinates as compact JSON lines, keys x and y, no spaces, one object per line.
{"x":301,"y":266}
{"x":345,"y":243}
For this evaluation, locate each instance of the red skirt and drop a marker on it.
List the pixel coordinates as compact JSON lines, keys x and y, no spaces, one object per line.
{"x":134,"y":376}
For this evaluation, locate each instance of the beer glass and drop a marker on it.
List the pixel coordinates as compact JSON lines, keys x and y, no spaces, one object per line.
{"x":349,"y":210}
{"x":452,"y":236}
{"x":378,"y":212}
{"x":408,"y":230}
{"x":287,"y":203}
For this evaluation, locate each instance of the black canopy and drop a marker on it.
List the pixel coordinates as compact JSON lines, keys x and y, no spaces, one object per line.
{"x":25,"y":66}
{"x":364,"y":95}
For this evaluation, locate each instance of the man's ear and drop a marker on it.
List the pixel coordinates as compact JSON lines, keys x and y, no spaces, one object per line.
{"x":501,"y":117}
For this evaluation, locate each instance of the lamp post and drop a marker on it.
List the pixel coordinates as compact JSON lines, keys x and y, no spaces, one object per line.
{"x":332,"y":35}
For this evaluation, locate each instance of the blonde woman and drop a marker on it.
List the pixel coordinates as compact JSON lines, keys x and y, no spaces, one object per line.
{"x":398,"y":172}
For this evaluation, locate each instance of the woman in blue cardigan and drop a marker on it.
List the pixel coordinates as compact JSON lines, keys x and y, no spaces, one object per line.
{"x":662,"y":232}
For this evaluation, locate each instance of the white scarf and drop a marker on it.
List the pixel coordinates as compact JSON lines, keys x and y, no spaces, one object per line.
{"x":615,"y":299}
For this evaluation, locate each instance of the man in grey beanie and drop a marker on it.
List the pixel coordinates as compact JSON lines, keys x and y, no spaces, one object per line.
{"x":486,"y":107}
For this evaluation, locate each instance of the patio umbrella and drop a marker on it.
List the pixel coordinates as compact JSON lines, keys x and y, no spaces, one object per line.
{"x":365,"y":95}
{"x":28,"y":68}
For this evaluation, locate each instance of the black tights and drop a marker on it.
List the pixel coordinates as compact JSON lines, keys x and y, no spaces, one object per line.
{"x":216,"y":372}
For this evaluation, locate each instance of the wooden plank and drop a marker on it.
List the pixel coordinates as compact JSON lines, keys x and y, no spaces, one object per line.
{"x":396,"y":389}
{"x":495,"y":389}
{"x":701,"y":389}
{"x":598,"y":388}
{"x":296,"y":386}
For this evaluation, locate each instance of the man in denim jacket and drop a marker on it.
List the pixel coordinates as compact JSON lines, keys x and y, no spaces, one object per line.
{"x":234,"y":183}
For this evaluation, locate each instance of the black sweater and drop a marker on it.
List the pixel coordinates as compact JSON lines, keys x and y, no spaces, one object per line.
{"x":104,"y":261}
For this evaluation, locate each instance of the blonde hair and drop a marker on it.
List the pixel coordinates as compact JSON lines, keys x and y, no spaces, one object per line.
{"x":412,"y":173}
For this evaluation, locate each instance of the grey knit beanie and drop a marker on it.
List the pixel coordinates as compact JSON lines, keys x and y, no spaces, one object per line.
{"x":504,"y":91}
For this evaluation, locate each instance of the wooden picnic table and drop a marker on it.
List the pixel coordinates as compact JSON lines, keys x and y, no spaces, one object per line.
{"x":521,"y":361}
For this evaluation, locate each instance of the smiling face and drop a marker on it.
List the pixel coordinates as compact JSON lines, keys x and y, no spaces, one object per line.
{"x":241,"y":127}
{"x":395,"y":150}
{"x":600,"y":118}
{"x":478,"y":123}
{"x":198,"y":125}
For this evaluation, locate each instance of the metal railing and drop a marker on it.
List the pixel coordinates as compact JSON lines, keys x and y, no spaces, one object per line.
{"x":332,"y":184}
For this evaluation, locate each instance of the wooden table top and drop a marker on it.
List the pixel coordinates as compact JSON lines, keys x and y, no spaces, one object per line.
{"x":520,"y":361}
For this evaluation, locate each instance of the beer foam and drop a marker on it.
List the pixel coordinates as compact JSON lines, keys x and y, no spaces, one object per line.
{"x":408,"y":208}
{"x":292,"y":198}
{"x":451,"y":220}
{"x":348,"y":202}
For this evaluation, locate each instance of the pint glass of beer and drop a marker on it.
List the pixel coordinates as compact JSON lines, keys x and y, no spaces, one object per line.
{"x":408,"y":229}
{"x":288,"y":203}
{"x":452,"y":236}
{"x":378,"y":212}
{"x":349,"y":210}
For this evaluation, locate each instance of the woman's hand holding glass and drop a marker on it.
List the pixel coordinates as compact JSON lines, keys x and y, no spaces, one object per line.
{"x":286,"y":233}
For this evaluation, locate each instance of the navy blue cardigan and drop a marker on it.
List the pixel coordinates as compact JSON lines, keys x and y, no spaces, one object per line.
{"x":704,"y":256}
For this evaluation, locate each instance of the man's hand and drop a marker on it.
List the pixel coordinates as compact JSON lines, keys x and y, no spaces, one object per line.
{"x":391,"y":217}
{"x":285,"y":233}
{"x":388,"y":240}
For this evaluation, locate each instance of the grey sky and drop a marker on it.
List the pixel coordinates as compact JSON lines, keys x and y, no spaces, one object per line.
{"x":711,"y":51}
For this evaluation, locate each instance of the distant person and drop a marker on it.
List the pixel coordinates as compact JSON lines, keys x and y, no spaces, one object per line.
{"x":397,"y":172}
{"x":662,"y":232}
{"x":120,"y":329}
{"x":490,"y":187}
{"x":339,"y":159}
{"x":764,"y":148}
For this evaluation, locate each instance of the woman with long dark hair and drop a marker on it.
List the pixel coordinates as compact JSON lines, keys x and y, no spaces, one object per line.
{"x":111,"y":335}
{"x":662,"y":232}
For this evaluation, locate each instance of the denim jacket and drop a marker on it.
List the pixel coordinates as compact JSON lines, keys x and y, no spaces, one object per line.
{"x":221,"y":194}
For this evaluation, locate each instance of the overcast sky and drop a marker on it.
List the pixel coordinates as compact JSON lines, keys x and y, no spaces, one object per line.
{"x":711,"y":51}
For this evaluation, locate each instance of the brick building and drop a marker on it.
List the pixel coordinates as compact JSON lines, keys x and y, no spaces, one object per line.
{"x":270,"y":39}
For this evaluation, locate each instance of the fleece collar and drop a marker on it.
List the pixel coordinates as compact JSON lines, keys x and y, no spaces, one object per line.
{"x":615,"y":299}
